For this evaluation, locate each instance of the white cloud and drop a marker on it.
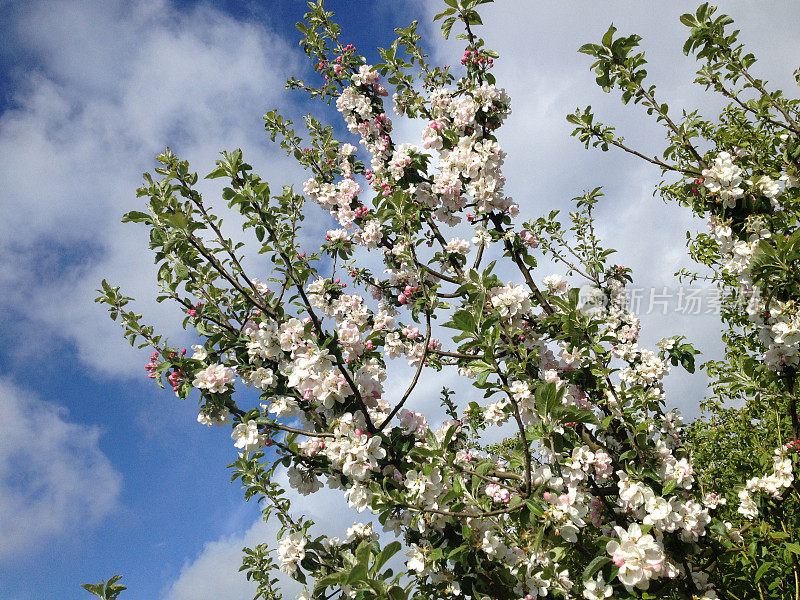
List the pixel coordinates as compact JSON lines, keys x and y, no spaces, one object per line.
{"x":547,"y":78}
{"x":215,"y":572}
{"x":116,"y":82}
{"x":53,"y":475}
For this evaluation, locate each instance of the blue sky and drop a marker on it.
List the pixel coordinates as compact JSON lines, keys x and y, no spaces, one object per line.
{"x":101,"y":472}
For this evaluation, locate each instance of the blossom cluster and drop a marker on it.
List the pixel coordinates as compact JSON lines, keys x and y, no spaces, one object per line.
{"x":779,"y":479}
{"x":300,"y":378}
{"x":597,"y":462}
{"x":778,"y":321}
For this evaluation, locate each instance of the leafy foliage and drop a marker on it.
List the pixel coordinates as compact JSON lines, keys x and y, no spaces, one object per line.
{"x":599,"y":490}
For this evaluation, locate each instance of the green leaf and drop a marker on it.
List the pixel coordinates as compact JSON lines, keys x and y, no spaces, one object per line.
{"x":689,"y":20}
{"x":573,"y":414}
{"x":447,"y":26}
{"x":177,"y":220}
{"x":94,"y":588}
{"x":181,"y":271}
{"x":591,"y":49}
{"x":389,"y":551}
{"x":464,"y":320}
{"x":136,"y":216}
{"x":535,"y":509}
{"x":761,"y":570}
{"x":608,"y":37}
{"x":548,"y":396}
{"x":218,"y":172}
{"x":595,"y":565}
{"x":359,"y":573}
{"x":474,"y":18}
{"x":444,"y":13}
{"x":397,"y":593}
{"x":483,"y":376}
{"x":793,"y":547}
{"x":330,"y":580}
{"x":106,"y":590}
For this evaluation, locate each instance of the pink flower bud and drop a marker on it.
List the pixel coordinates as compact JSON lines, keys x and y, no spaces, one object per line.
{"x":529,"y":238}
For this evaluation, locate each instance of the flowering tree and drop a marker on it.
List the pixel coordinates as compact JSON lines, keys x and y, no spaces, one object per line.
{"x":596,"y":493}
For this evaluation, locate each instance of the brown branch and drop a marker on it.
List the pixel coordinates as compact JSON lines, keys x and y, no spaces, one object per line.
{"x":207,"y":317}
{"x":194,"y":196}
{"x":487,"y":479}
{"x":522,"y":434}
{"x":438,"y":274}
{"x":686,"y":143}
{"x":447,"y":513}
{"x":757,"y":85}
{"x":320,"y":331}
{"x":653,"y":160}
{"x":286,"y":428}
{"x":415,"y":379}
{"x":222,"y":271}
{"x":455,"y":354}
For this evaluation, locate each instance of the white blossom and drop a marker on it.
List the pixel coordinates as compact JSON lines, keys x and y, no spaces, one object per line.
{"x":291,"y":551}
{"x":247,"y":437}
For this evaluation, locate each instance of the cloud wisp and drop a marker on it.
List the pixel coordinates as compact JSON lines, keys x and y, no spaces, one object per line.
{"x":54,"y":477}
{"x":116,"y":82}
